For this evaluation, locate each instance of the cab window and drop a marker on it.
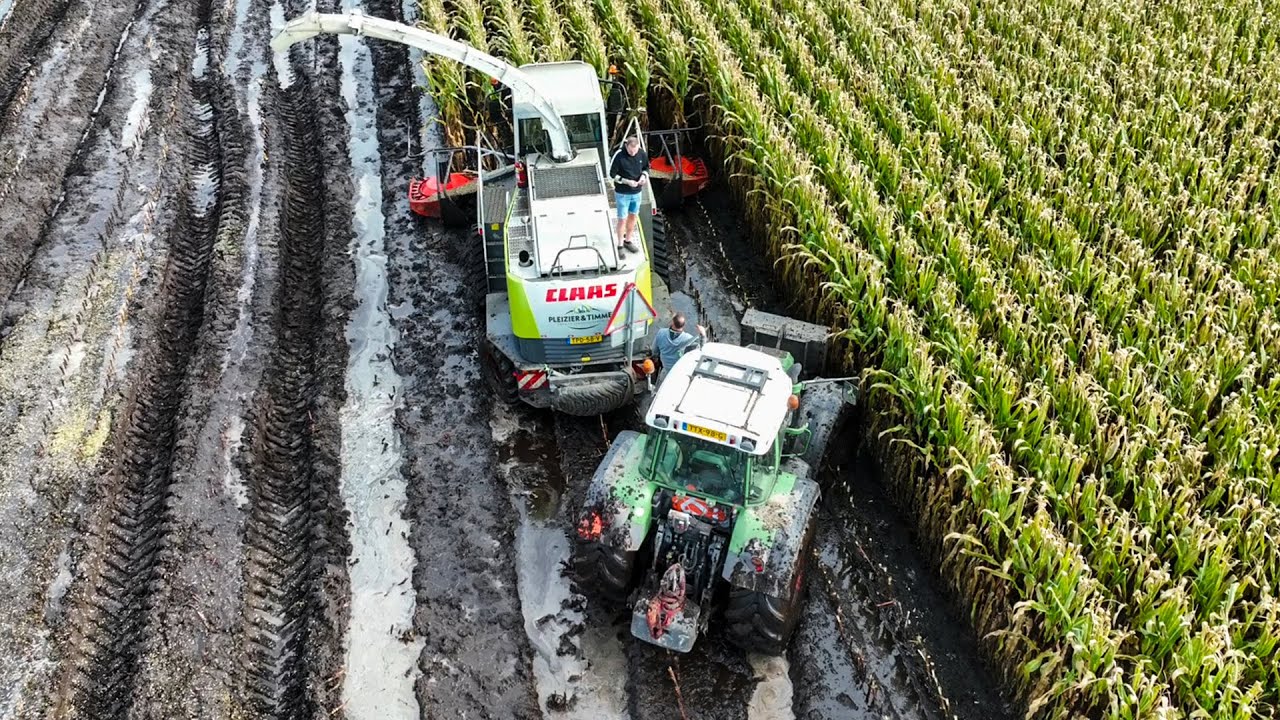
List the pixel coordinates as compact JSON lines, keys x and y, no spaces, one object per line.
{"x":700,"y":466}
{"x":584,"y":132}
{"x":764,"y":475}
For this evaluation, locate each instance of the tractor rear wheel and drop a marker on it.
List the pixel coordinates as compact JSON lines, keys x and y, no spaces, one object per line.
{"x":762,"y":623}
{"x":603,"y":570}
{"x":499,"y":373}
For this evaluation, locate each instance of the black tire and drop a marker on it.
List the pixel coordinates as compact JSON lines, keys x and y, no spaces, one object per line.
{"x":823,"y":408}
{"x":596,"y":398}
{"x":499,"y":373}
{"x":604,"y":572}
{"x":764,"y":624}
{"x":658,"y":250}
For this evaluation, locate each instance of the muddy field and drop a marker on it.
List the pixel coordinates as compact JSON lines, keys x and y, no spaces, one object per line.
{"x":248,"y":465}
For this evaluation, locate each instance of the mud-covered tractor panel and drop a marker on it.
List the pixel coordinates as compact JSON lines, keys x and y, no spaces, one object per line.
{"x":619,"y":502}
{"x":768,"y":539}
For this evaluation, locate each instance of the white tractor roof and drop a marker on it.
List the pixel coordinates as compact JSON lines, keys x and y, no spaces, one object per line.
{"x":724,"y":393}
{"x":572,"y":87}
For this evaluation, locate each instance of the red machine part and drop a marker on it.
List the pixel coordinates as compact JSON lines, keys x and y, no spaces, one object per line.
{"x":691,"y":172}
{"x":699,"y":507}
{"x":424,"y":193}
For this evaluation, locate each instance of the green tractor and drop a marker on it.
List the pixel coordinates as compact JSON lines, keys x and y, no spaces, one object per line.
{"x":714,"y":505}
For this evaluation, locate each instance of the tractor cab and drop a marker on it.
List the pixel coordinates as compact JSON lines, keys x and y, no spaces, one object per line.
{"x":718,"y":424}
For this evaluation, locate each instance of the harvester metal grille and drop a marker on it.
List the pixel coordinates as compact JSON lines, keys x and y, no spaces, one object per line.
{"x":559,"y":182}
{"x":518,"y":239}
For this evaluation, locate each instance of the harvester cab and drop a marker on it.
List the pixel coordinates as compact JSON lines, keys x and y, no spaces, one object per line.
{"x":718,"y":494}
{"x":569,"y":316}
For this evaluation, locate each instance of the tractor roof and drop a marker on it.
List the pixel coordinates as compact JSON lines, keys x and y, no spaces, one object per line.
{"x":726,"y":394}
{"x":572,"y":87}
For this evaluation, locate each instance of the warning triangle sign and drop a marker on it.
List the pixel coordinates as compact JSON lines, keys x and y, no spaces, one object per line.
{"x":627,"y":304}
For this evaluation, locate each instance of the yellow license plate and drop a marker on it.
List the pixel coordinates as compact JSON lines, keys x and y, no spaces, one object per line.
{"x":705,"y":432}
{"x":585,"y":339}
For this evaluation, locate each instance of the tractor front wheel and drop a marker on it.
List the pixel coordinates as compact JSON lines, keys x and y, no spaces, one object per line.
{"x":499,"y":373}
{"x":762,"y":623}
{"x":603,"y":570}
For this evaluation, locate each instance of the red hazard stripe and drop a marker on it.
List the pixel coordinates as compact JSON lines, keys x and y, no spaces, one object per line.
{"x":531,"y":380}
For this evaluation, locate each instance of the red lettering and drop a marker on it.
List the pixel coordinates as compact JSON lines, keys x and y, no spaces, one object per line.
{"x":577,"y":294}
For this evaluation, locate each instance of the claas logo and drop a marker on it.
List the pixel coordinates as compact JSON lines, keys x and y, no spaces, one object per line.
{"x":582,"y":292}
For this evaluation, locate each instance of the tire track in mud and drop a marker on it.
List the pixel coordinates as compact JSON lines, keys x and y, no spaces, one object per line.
{"x":40,"y":155}
{"x":75,"y":315}
{"x":578,"y":664}
{"x":24,"y":31}
{"x":194,"y":655}
{"x":129,"y":534}
{"x":476,"y":660}
{"x":285,"y":548}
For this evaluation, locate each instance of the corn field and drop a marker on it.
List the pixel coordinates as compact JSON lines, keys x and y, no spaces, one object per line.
{"x":1045,"y":231}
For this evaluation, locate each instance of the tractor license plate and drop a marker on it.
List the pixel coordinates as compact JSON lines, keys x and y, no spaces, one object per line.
{"x":705,"y":432}
{"x":586,"y":340}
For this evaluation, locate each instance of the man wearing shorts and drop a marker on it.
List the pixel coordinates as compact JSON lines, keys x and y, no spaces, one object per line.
{"x":630,"y":172}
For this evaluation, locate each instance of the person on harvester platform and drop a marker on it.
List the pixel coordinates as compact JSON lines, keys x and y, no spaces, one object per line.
{"x":630,"y":172}
{"x":670,"y":343}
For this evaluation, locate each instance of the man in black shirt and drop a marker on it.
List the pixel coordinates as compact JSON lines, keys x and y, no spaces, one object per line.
{"x":630,"y":172}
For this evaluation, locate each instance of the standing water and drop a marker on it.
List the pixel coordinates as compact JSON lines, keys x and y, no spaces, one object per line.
{"x":381,"y":667}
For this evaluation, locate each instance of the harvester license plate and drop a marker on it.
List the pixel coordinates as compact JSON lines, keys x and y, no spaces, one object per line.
{"x":586,"y":340}
{"x":705,"y":432}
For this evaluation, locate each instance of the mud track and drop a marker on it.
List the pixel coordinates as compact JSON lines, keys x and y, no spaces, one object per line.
{"x":281,"y":564}
{"x":43,"y":134}
{"x":475,"y":660}
{"x":129,"y":534}
{"x":24,"y":31}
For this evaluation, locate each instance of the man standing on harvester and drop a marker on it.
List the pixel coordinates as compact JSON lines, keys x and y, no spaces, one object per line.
{"x":630,"y":172}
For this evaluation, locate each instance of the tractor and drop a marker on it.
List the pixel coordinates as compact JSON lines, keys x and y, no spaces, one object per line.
{"x":569,"y":317}
{"x":713,"y":506}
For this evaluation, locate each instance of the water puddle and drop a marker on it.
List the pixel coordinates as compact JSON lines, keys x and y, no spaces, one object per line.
{"x":579,"y":670}
{"x":772,"y":697}
{"x":135,"y":119}
{"x":284,"y":72}
{"x":381,"y":658}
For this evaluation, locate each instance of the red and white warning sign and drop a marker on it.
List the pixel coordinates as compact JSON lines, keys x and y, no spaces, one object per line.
{"x":622,"y":312}
{"x":531,"y":380}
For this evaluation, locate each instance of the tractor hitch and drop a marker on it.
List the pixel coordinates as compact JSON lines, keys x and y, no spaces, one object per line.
{"x":667,"y":618}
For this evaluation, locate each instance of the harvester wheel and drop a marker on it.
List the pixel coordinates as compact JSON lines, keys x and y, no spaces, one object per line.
{"x":761,"y":623}
{"x":603,"y":570}
{"x":499,"y":373}
{"x":658,"y":249}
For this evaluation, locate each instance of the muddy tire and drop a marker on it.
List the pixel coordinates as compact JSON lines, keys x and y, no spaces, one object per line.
{"x":593,"y":399}
{"x":658,"y":249}
{"x":603,"y":572}
{"x":824,"y":409}
{"x":764,"y":624}
{"x":499,"y":373}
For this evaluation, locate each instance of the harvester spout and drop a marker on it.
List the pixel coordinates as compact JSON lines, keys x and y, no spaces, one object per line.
{"x":311,"y":24}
